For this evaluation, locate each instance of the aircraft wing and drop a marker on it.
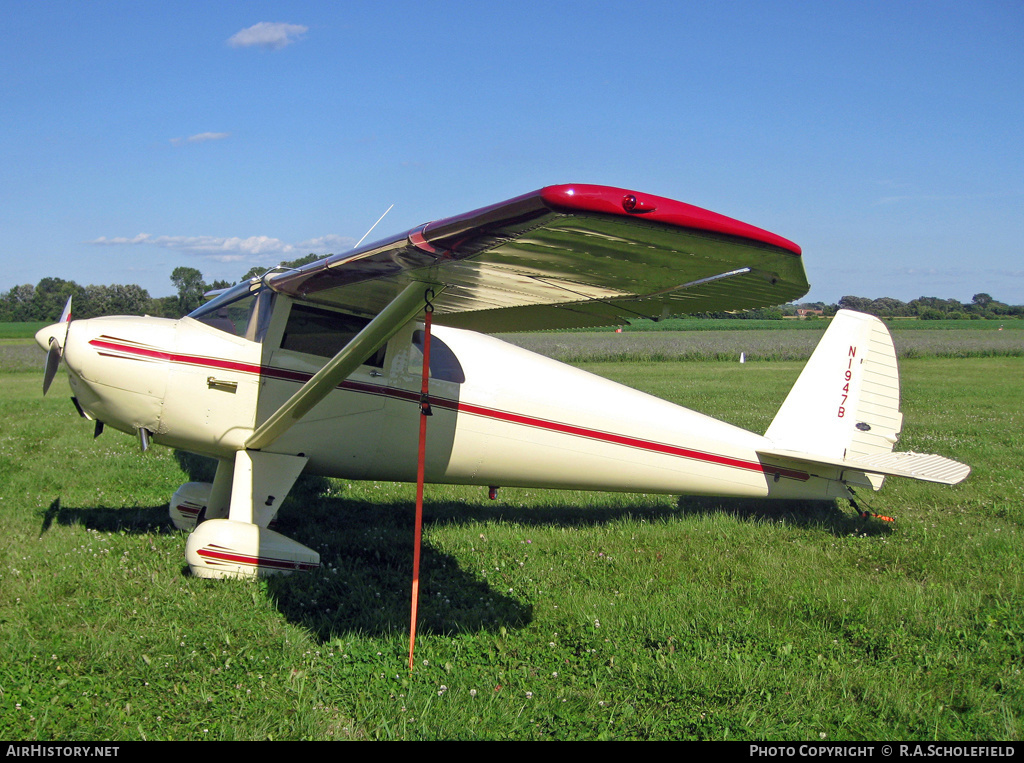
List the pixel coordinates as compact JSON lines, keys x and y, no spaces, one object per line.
{"x":565,"y":256}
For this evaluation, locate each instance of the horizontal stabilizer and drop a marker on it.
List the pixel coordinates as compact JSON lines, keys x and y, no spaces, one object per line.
{"x":918,"y":466}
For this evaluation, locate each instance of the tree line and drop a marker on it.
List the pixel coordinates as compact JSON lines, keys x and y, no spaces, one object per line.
{"x":45,"y":301}
{"x":981,"y":306}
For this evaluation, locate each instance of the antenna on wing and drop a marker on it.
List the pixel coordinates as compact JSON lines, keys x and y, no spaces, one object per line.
{"x":373,"y":226}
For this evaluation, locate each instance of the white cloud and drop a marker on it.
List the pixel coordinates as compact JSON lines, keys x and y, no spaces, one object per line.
{"x":329,"y":243}
{"x":256,"y":249}
{"x":267,"y":34}
{"x":142,"y":238}
{"x":201,"y":137}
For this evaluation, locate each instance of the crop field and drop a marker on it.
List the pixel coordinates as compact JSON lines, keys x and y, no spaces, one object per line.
{"x":544,"y":614}
{"x":778,"y":344}
{"x":20,"y":330}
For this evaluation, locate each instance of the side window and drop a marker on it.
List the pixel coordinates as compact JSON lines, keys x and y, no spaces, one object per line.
{"x":443,"y":363}
{"x":234,"y":311}
{"x":324,"y":332}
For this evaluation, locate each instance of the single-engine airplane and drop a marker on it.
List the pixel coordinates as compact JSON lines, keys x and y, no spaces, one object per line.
{"x":318,"y":369}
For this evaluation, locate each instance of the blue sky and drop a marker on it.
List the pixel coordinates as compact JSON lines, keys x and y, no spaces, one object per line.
{"x":884,"y":138}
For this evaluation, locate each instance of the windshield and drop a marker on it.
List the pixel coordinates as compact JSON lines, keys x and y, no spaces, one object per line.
{"x":242,"y":310}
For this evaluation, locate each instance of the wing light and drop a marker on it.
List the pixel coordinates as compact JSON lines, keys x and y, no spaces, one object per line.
{"x":636,"y":206}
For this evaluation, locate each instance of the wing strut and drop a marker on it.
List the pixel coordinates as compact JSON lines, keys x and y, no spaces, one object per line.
{"x":374,"y":335}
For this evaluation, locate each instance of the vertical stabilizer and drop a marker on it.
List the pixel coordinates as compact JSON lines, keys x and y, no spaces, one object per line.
{"x":846,"y":403}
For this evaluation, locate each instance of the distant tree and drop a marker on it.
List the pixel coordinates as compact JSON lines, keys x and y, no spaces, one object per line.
{"x":129,"y":299}
{"x":297,"y":263}
{"x":95,"y":301}
{"x":982,"y":300}
{"x":116,"y":299}
{"x":849,"y":302}
{"x":164,"y":307}
{"x":887,"y":307}
{"x":919,"y":305}
{"x":997,"y":308}
{"x":190,"y":286}
{"x":50,"y":297}
{"x":791,"y":309}
{"x":17,"y":304}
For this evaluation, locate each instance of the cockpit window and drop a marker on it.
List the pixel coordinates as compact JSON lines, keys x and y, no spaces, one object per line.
{"x":324,"y":333}
{"x":444,"y":364}
{"x":243,"y":310}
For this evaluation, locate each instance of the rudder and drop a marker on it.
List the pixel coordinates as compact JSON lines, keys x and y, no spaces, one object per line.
{"x":845,"y":404}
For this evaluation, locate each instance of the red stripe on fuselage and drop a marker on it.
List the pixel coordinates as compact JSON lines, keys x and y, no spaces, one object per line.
{"x":141,"y":351}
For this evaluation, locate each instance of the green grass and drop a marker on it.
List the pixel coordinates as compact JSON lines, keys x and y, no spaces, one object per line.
{"x":23,"y":330}
{"x":810,"y":324}
{"x":715,"y":344}
{"x":544,"y":615}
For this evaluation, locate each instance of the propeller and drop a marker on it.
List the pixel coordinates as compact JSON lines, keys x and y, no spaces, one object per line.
{"x":55,"y":353}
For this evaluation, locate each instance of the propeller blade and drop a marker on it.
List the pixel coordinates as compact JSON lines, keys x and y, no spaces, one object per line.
{"x":53,"y":356}
{"x":55,"y":353}
{"x":65,"y":316}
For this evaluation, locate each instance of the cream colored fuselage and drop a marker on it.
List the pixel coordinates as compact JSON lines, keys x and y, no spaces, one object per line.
{"x":517,"y":419}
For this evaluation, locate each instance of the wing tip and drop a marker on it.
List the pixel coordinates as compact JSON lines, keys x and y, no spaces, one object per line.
{"x":621,"y":201}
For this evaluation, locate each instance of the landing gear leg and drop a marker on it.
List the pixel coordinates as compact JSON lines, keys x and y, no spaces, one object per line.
{"x":241,"y":545}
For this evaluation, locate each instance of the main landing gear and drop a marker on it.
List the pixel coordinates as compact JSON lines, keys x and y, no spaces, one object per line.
{"x":230,"y":538}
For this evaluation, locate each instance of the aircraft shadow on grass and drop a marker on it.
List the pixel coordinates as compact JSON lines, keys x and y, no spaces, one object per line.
{"x":136,"y":520}
{"x":827,"y":516}
{"x":363,"y":585}
{"x":366,"y":551}
{"x":366,"y":555}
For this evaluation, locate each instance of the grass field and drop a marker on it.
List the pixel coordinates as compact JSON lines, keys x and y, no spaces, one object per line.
{"x":544,"y":615}
{"x":20,"y":330}
{"x":812,"y":324}
{"x":714,"y":344}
